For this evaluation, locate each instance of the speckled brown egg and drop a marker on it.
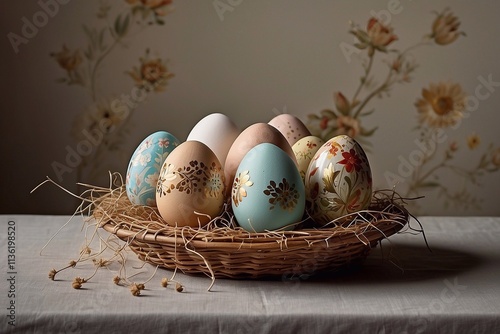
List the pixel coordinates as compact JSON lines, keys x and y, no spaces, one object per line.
{"x":291,"y":127}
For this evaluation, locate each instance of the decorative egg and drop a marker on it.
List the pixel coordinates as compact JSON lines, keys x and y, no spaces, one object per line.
{"x":190,"y":189}
{"x":250,"y":137}
{"x":291,"y":127}
{"x":218,"y":132}
{"x":338,"y":180}
{"x":264,"y":195}
{"x":144,"y":167}
{"x":304,"y":150}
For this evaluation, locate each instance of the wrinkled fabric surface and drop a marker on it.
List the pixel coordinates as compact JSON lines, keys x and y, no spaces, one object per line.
{"x":402,"y":287}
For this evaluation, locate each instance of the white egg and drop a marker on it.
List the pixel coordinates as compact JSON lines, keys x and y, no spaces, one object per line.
{"x":218,"y":132}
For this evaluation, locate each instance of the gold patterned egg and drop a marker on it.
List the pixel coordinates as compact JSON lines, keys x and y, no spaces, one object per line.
{"x":264,"y":195}
{"x":190,"y":188}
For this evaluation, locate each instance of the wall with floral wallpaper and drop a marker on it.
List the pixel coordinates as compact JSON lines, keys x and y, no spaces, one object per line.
{"x":416,"y":84}
{"x":107,"y":119}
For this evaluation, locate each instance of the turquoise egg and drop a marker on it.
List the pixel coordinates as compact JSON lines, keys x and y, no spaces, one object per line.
{"x":144,"y":167}
{"x":267,"y":191}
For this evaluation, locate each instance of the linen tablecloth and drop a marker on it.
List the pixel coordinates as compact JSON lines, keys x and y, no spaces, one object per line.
{"x":402,"y":287}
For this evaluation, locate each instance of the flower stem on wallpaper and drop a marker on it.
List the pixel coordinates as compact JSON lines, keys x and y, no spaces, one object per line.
{"x":440,"y":109}
{"x":107,"y":117}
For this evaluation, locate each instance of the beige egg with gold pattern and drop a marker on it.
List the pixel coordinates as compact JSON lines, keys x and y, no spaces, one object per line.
{"x":190,"y":189}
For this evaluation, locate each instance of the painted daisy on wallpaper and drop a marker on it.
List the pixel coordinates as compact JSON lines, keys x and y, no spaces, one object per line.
{"x":107,"y":116}
{"x":439,"y":109}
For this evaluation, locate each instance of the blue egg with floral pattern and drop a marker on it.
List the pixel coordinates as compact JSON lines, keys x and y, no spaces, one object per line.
{"x":267,"y":191}
{"x":144,"y":167}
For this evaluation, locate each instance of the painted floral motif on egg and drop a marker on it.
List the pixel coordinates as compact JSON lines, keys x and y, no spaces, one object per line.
{"x":190,"y":189}
{"x":283,"y":195}
{"x":280,"y":194}
{"x":267,"y":196}
{"x":197,"y":177}
{"x":239,"y":187}
{"x":304,"y":150}
{"x":144,"y":167}
{"x":338,"y":180}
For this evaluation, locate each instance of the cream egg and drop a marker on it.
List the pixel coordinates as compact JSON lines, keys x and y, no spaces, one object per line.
{"x":304,"y":150}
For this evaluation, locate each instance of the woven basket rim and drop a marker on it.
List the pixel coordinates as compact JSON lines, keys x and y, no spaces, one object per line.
{"x":229,"y":251}
{"x":230,"y":237}
{"x":260,"y":243}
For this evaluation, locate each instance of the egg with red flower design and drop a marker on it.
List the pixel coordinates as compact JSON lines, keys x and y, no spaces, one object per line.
{"x":338,"y":180}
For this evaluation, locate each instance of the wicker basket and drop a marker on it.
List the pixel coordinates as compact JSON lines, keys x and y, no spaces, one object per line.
{"x":225,"y":251}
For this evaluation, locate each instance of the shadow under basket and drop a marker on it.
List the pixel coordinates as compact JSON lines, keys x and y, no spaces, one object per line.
{"x":223,"y":250}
